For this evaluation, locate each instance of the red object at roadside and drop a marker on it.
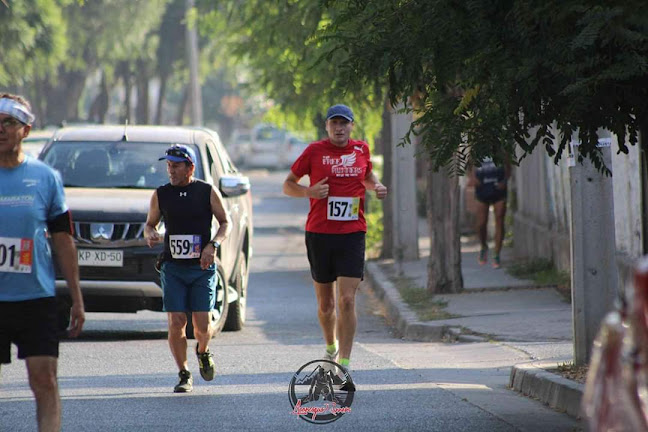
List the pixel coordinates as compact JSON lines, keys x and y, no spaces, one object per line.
{"x":616,"y":390}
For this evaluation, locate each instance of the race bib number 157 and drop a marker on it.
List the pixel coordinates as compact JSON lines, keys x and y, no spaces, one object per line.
{"x":342,"y":208}
{"x":16,"y":255}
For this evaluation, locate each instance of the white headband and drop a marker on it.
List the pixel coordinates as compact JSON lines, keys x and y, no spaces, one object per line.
{"x":16,"y":110}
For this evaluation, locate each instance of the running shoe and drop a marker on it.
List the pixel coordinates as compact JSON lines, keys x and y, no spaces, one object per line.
{"x":331,"y":357}
{"x":206,"y":364}
{"x":483,"y":256}
{"x":186,"y":382}
{"x":496,"y":262}
{"x":348,"y":385}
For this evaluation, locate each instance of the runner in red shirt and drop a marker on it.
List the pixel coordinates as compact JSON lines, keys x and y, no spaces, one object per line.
{"x":340,"y":171}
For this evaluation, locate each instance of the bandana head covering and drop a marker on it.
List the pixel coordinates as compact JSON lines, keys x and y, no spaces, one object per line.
{"x":16,"y":110}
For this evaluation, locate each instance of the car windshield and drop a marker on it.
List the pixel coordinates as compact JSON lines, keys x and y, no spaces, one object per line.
{"x":111,"y":164}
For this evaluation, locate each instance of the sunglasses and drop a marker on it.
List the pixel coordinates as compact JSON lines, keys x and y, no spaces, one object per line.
{"x":10,"y":123}
{"x":179,"y":153}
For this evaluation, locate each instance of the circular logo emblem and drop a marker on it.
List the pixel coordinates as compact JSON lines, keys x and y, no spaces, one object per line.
{"x":321,"y":391}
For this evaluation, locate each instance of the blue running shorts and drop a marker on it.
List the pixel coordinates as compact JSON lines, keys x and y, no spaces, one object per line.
{"x":188,"y":288}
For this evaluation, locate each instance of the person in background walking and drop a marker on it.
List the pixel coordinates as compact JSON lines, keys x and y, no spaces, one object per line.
{"x":490,"y":182}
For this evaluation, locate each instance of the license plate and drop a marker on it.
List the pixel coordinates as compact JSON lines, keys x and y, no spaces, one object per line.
{"x":101,"y":258}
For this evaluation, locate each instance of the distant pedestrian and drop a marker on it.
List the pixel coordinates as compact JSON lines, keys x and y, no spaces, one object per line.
{"x":340,"y":170}
{"x":490,"y":182}
{"x":33,"y":211}
{"x":188,"y":273}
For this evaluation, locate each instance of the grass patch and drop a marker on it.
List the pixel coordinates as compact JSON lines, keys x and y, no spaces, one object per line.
{"x":427,"y":308}
{"x":541,"y":271}
{"x":570,"y":371}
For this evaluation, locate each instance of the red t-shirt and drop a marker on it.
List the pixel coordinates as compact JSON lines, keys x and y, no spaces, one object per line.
{"x":346,"y":167}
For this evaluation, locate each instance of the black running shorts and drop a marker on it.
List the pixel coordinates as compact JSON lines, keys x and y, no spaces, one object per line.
{"x":334,"y":255}
{"x":489,"y":194}
{"x":32,"y":325}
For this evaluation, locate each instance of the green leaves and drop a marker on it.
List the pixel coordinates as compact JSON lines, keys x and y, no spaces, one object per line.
{"x":284,"y":50}
{"x":496,"y":74}
{"x":32,"y":39}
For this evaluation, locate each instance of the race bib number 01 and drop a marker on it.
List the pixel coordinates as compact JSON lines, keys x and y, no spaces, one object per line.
{"x":342,"y":208}
{"x":184,"y":246}
{"x":16,"y":255}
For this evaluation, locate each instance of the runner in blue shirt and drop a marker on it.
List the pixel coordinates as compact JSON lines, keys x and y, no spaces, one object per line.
{"x":33,"y":210}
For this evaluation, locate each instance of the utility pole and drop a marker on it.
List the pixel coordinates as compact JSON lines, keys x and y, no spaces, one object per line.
{"x":594,"y":274}
{"x":405,"y":217}
{"x":195,"y":96}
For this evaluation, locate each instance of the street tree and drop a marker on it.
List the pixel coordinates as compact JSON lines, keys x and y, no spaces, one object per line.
{"x":105,"y":33}
{"x":32,"y":43}
{"x":493,"y":75}
{"x":489,"y":73}
{"x":275,"y":54}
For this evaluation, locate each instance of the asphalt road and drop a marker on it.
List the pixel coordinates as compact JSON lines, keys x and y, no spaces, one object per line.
{"x":119,"y":375}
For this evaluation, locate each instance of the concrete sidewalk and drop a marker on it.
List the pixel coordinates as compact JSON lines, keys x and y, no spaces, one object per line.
{"x":494,"y":306}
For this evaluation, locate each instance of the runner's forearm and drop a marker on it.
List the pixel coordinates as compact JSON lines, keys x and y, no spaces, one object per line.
{"x":294,"y":189}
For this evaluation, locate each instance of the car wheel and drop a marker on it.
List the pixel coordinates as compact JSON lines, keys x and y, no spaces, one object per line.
{"x":219,"y":313}
{"x":237,"y":309}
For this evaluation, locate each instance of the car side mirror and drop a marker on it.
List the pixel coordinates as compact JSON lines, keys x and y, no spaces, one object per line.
{"x":232,"y":186}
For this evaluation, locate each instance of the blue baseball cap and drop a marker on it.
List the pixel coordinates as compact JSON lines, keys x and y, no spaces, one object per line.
{"x":180,"y":153}
{"x":339,"y":111}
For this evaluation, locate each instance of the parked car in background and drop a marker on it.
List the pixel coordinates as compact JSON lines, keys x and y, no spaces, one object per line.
{"x":36,"y":140}
{"x":240,"y":144}
{"x":296,"y":147}
{"x":109,"y":174}
{"x":269,"y":148}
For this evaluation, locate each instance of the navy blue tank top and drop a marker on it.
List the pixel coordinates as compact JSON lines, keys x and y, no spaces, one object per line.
{"x":489,"y":173}
{"x":187,"y":216}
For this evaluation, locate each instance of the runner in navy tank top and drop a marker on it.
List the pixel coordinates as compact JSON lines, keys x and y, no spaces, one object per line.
{"x":490,"y":182}
{"x":188,"y":273}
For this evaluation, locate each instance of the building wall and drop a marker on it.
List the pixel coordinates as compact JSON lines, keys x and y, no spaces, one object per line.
{"x":542,"y":218}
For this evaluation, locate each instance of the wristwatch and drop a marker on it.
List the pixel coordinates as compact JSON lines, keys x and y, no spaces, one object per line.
{"x":216,"y":244}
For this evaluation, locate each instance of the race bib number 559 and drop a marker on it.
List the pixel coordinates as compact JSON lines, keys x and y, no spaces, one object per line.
{"x":184,"y":246}
{"x":342,"y":208}
{"x":16,"y":255}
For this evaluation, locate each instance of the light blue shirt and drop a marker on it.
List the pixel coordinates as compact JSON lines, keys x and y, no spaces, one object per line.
{"x":30,"y":195}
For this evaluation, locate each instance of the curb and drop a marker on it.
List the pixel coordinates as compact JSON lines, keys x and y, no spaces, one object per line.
{"x":553,"y":390}
{"x":529,"y":379}
{"x":404,"y":319}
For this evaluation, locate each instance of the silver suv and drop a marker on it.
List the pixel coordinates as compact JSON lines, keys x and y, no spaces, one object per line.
{"x":109,"y":174}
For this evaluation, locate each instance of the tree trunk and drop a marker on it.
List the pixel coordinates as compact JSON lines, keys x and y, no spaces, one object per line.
{"x":142,"y":81}
{"x":38,"y":102}
{"x":387,"y":250}
{"x":444,"y":265}
{"x":99,"y":107}
{"x":160,"y":101}
{"x":103,"y":100}
{"x":182,"y":107}
{"x":128,"y":88}
{"x":63,"y":97}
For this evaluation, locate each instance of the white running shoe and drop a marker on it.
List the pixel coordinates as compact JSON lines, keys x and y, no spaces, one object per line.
{"x":331,"y":357}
